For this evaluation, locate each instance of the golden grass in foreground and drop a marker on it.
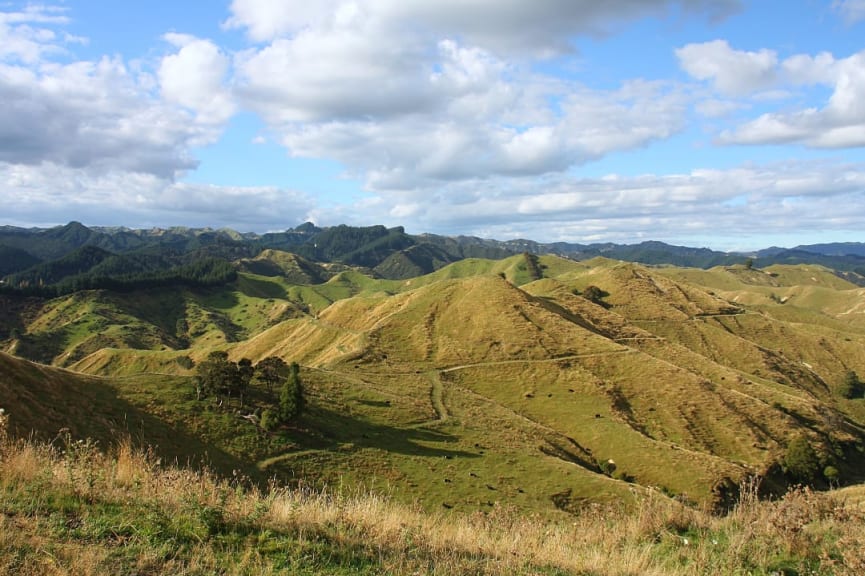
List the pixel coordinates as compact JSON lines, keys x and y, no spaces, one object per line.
{"x":77,"y":511}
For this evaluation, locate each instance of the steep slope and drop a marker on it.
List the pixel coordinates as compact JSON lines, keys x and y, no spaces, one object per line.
{"x":67,"y":329}
{"x":414,"y":261}
{"x":46,"y":400}
{"x":638,"y":293}
{"x":57,"y":406}
{"x":14,"y":260}
{"x":76,"y":262}
{"x":293,"y":268}
{"x":804,"y":322}
{"x":618,"y":390}
{"x":451,"y":322}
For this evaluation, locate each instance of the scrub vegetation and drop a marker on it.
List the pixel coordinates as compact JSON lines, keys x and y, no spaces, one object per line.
{"x":70,"y":508}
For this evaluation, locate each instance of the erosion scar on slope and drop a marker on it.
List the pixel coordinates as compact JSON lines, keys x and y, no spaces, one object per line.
{"x":436,"y":395}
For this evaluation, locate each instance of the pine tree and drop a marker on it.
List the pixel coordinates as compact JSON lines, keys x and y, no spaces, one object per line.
{"x":291,"y":401}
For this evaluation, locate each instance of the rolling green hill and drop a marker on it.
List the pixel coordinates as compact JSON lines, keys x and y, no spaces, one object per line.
{"x":294,"y":269}
{"x":535,"y":381}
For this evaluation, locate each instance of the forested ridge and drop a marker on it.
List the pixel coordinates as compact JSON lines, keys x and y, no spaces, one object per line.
{"x":74,"y":257}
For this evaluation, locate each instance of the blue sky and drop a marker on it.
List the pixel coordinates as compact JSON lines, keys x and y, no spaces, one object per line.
{"x":721,"y":123}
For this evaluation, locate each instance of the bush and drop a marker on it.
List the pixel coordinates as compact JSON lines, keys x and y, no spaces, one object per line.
{"x":831,"y":474}
{"x":608,"y":467}
{"x":595,"y":295}
{"x":800,"y":461}
{"x":269,"y":420}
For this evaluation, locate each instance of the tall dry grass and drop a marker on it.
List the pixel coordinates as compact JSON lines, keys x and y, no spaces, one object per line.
{"x":69,"y":508}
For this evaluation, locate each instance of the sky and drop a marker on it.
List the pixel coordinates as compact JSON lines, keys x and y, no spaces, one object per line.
{"x":718,"y":123}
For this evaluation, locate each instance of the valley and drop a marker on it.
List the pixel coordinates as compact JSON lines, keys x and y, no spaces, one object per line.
{"x":484,"y":383}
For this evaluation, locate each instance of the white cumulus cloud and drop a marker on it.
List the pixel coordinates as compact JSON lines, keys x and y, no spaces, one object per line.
{"x":28,"y":34}
{"x":407,"y":94}
{"x":733,"y":72}
{"x":839,"y":123}
{"x":195,"y":77}
{"x":541,"y":27}
{"x":103,"y":114}
{"x":744,"y":202}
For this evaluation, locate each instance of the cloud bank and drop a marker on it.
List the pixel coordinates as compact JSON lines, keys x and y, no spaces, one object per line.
{"x":455,"y":117}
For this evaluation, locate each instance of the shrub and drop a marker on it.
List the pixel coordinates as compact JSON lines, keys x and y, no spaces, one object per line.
{"x":800,"y":460}
{"x":269,"y":420}
{"x":608,"y":467}
{"x":831,"y":474}
{"x":595,"y":295}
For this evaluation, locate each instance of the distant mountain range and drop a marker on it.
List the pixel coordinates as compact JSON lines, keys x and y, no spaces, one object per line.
{"x":81,"y":255}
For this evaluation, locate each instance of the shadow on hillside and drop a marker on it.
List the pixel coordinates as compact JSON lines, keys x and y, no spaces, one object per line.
{"x":177,"y":447}
{"x":41,"y":347}
{"x":337,"y":429}
{"x":257,"y":288}
{"x":46,"y":404}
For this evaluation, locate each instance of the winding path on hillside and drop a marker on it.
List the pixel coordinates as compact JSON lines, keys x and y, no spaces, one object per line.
{"x":437,"y":391}
{"x":538,"y":360}
{"x":438,"y":399}
{"x":268,"y":462}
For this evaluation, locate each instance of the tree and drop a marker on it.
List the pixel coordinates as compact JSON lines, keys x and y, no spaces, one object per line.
{"x":272,"y":371}
{"x":296,"y":387}
{"x":595,"y":295}
{"x":212,"y":374}
{"x":800,"y":460}
{"x":291,"y":401}
{"x":218,"y":375}
{"x":245,"y":370}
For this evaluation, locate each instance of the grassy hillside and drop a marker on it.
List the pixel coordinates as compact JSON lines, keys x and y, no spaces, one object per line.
{"x":534,"y":382}
{"x":81,"y":512}
{"x":59,"y":406}
{"x":294,"y":269}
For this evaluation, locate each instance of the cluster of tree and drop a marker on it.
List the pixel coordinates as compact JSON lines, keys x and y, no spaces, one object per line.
{"x":533,"y":265}
{"x":360,"y":246}
{"x":14,"y":259}
{"x":218,"y":376}
{"x":594,"y":294}
{"x":291,"y":400}
{"x":205,"y":272}
{"x":81,"y":261}
{"x":804,"y":465}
